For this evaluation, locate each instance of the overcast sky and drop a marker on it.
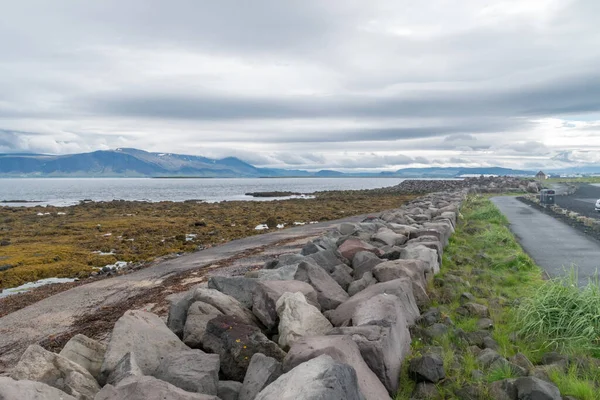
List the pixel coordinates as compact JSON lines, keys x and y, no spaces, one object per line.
{"x":313,"y":84}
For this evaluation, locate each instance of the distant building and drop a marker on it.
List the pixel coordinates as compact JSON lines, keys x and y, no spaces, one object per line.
{"x":541,"y":176}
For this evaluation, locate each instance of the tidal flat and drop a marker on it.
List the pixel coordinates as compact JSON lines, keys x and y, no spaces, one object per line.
{"x":77,"y":241}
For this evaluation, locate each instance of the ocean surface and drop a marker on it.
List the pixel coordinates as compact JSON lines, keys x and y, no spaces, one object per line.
{"x":70,"y":191}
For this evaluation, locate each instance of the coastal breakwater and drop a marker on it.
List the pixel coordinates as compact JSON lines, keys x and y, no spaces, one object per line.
{"x":330,"y":322}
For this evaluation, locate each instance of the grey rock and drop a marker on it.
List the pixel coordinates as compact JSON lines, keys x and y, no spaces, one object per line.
{"x":436,"y":331}
{"x":29,"y":390}
{"x":319,"y":378}
{"x":382,"y":338}
{"x":487,"y":357}
{"x":351,"y":246}
{"x":37,"y":364}
{"x":179,"y":305}
{"x":343,"y":350}
{"x":554,"y":358}
{"x":225,"y":304}
{"x":86,"y":352}
{"x":125,"y":368}
{"x":148,"y":388}
{"x":328,"y":259}
{"x":144,"y":334}
{"x":527,"y":388}
{"x":191,"y":370}
{"x":420,"y":252}
{"x":262,"y":371}
{"x":427,"y":368}
{"x":466,"y":298}
{"x":363,"y":262}
{"x":238,"y":287}
{"x":229,"y":390}
{"x":473,"y":310}
{"x":282,"y":273}
{"x":426,"y":391}
{"x":402,"y":288}
{"x":198,"y":316}
{"x":329,"y":294}
{"x":361,"y":284}
{"x":430,"y":317}
{"x":311,"y":248}
{"x":342,"y":276}
{"x":490,"y":343}
{"x":485,"y":323}
{"x":522,"y":361}
{"x":389,"y":237}
{"x":412,"y":269}
{"x":347,"y":228}
{"x":502,"y":390}
{"x":236,"y":342}
{"x":297,"y":318}
{"x":268,"y":292}
{"x":391,"y":252}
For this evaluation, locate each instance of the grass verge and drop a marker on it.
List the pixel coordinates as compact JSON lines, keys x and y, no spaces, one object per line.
{"x":484,"y":260}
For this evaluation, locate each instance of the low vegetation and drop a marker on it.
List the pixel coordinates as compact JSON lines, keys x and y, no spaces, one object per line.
{"x":530,"y":316}
{"x":587,"y":179}
{"x":72,"y":241}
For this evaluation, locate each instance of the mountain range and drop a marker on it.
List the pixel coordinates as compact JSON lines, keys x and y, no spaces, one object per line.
{"x":127,"y":162}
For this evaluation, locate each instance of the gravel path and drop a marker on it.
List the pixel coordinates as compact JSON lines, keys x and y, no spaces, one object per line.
{"x":92,"y":308}
{"x":550,"y":242}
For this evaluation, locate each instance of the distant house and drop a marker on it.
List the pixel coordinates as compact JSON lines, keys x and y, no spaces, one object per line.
{"x":541,"y":176}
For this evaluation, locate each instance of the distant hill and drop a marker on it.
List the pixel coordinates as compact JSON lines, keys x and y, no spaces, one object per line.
{"x":128,"y":162}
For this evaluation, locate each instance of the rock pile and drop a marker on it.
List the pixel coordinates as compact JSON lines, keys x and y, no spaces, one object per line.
{"x":492,"y":184}
{"x":331,"y":323}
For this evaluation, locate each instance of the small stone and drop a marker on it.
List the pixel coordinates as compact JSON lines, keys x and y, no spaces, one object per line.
{"x":427,"y":368}
{"x":425,"y":390}
{"x":473,"y":310}
{"x":485,"y":323}
{"x":477,"y":375}
{"x":489,"y":343}
{"x":487,"y":357}
{"x":361,"y":284}
{"x":466,"y":298}
{"x":522,"y":361}
{"x":229,"y":390}
{"x":430,"y":317}
{"x":436,"y":331}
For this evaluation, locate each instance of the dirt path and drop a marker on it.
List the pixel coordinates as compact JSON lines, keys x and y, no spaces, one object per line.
{"x":92,"y":308}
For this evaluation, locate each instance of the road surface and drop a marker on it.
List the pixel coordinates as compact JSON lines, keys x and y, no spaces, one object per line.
{"x":56,"y":315}
{"x":582,"y":201}
{"x":552,"y":244}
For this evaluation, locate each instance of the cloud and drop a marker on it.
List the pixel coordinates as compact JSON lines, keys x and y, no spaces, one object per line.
{"x":305,"y":84}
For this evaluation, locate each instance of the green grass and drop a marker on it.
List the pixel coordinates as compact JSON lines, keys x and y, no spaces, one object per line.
{"x":575,"y":383}
{"x":590,"y":179}
{"x":485,"y":255}
{"x":564,"y":316}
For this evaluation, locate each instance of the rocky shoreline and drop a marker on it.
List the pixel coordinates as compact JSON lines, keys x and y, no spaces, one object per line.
{"x":334,"y":321}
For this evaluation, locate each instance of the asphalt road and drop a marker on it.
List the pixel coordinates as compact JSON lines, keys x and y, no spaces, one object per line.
{"x":54,"y":315}
{"x":552,"y":244}
{"x":582,"y":201}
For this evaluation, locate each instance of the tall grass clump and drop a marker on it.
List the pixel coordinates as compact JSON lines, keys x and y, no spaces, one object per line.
{"x":563,"y":316}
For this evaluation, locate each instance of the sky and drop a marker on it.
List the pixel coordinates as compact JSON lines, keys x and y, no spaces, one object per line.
{"x":310,"y":84}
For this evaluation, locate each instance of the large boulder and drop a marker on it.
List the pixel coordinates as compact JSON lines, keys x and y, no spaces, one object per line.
{"x":319,"y":378}
{"x":297,"y":319}
{"x":261,"y":372}
{"x":328,"y":259}
{"x":402,"y":288}
{"x":524,"y":388}
{"x":423,"y":253}
{"x":229,"y":390}
{"x":351,"y":246}
{"x":412,"y":269}
{"x":86,"y":352}
{"x":389,"y":237}
{"x":144,"y":334}
{"x":198,"y":316}
{"x":148,"y":388}
{"x":341,"y":275}
{"x":224,"y":303}
{"x":38,"y":364}
{"x":125,"y":368}
{"x":179,"y":305}
{"x":361,"y":284}
{"x":329,"y":293}
{"x":283,"y":273}
{"x":363,"y":262}
{"x":29,"y":390}
{"x":268,"y":292}
{"x":191,"y":370}
{"x":343,"y":350}
{"x":238,"y":287}
{"x":236,"y":342}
